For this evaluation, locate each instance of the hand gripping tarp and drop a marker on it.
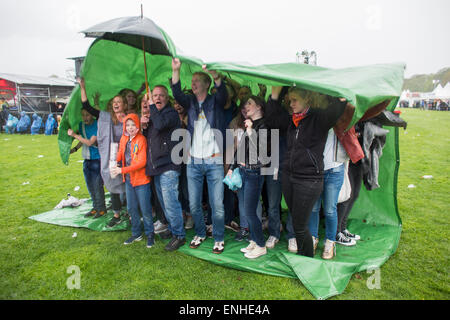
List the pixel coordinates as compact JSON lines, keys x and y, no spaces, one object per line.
{"x":110,"y":66}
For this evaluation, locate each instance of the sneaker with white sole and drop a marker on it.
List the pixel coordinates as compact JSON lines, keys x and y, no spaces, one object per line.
{"x":159,"y":227}
{"x":329,"y":251}
{"x":315,"y":244}
{"x":271,"y":242}
{"x":189,"y":222}
{"x":133,"y":239}
{"x":250,"y":247}
{"x":292,"y":245}
{"x":256,"y":252}
{"x":344,"y":241}
{"x":218,"y":247}
{"x":350,"y":235}
{"x":196,"y":242}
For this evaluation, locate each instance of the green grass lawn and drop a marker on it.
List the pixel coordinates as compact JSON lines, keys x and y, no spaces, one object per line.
{"x":34,"y":257}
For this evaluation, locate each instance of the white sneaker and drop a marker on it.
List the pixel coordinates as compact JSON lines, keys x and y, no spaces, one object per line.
{"x":189,"y":222}
{"x":292,"y":245}
{"x":250,"y":247}
{"x":196,"y":242}
{"x":315,"y":243}
{"x":256,"y":252}
{"x":344,"y":241}
{"x":218,"y":247}
{"x":271,"y":242}
{"x":329,"y":251}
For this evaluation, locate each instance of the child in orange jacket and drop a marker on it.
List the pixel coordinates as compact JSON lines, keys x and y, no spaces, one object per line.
{"x":132,"y":156}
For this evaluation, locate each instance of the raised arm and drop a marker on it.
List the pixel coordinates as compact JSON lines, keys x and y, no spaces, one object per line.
{"x":276,"y":117}
{"x":84,"y":100}
{"x":182,"y":98}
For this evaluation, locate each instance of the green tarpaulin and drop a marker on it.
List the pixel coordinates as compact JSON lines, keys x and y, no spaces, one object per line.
{"x":111,"y":66}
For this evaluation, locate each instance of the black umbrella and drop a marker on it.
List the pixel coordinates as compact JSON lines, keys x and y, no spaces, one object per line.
{"x":139,"y":32}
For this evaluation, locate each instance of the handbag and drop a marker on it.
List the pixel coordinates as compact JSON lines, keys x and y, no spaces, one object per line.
{"x":346,"y":189}
{"x":234,"y":182}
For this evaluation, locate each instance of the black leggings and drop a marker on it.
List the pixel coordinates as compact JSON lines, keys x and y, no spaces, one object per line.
{"x":300,"y":197}
{"x":355,"y":176}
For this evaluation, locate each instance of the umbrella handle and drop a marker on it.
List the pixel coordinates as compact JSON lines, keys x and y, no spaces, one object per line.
{"x":145,"y":65}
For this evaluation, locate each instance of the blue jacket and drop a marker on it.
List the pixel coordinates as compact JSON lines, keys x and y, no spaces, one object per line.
{"x":213,"y":107}
{"x":159,"y":144}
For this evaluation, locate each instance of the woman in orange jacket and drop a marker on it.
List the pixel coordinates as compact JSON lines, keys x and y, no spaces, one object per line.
{"x":132,"y":156}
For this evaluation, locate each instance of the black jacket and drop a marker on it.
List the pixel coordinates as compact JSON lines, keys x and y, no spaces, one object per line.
{"x":250,"y":144}
{"x":305,"y":143}
{"x":159,"y":144}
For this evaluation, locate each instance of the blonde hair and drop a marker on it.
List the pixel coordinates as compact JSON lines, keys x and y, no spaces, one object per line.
{"x":111,"y":111}
{"x":313,"y":99}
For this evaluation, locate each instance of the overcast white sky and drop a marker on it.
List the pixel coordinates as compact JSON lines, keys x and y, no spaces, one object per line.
{"x":38,"y":36}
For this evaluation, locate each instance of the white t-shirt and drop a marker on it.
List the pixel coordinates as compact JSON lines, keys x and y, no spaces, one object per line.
{"x":204,"y":144}
{"x":330,"y":151}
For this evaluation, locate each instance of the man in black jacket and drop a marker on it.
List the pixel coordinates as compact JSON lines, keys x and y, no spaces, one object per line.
{"x":163,"y":120}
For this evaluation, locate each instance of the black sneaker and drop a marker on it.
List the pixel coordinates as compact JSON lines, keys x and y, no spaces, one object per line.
{"x":175,"y":243}
{"x":166,"y":234}
{"x":242,"y":234}
{"x":90,"y":213}
{"x":99,"y":214}
{"x":343,"y":240}
{"x":113,"y":222}
{"x":133,"y":239}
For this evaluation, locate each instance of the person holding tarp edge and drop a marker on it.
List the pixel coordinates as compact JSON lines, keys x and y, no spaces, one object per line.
{"x":205,"y":114}
{"x":303,"y":168}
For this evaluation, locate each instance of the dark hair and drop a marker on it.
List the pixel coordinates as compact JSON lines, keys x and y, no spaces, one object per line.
{"x":259,"y":101}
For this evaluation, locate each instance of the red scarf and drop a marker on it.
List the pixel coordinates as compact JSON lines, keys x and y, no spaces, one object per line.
{"x":297,"y":117}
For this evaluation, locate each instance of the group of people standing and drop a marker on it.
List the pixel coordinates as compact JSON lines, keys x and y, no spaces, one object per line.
{"x":129,"y":148}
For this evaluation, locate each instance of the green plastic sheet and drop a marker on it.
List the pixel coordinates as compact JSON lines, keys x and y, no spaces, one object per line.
{"x":110,"y":66}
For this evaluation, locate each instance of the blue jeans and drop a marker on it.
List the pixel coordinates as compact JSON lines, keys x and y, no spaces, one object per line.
{"x":139,"y":198}
{"x":167,"y":189}
{"x":196,"y":171}
{"x":242,"y":219}
{"x":274,"y":199}
{"x":332,"y":183}
{"x":252,"y":183}
{"x":94,"y":183}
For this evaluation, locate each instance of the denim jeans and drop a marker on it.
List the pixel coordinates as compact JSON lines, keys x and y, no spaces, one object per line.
{"x":139,"y":198}
{"x":94,"y":183}
{"x":243,"y":223}
{"x":167,"y":189}
{"x":183,"y":194}
{"x":332,"y":183}
{"x":197,"y":169}
{"x":274,"y":199}
{"x":252,"y":183}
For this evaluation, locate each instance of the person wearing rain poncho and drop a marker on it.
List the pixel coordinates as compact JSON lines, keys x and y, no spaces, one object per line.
{"x":110,"y":126}
{"x":11,"y":124}
{"x":37,"y":124}
{"x":24,"y":123}
{"x":50,"y":125}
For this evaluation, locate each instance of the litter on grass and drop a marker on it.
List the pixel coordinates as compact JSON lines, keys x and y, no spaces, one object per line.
{"x":25,"y":183}
{"x":76,"y":188}
{"x":427,"y":177}
{"x":411,"y":186}
{"x":71,"y":201}
{"x":40,"y":156}
{"x":74,"y":235}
